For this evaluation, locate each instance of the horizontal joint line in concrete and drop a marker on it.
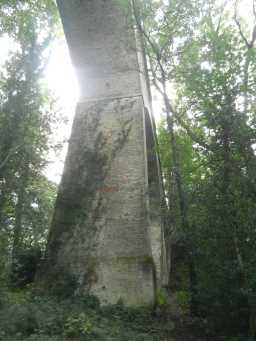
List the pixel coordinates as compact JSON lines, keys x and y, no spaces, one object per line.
{"x":95,"y":99}
{"x":110,"y":259}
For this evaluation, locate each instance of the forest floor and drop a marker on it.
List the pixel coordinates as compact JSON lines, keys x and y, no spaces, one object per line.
{"x":24,"y":317}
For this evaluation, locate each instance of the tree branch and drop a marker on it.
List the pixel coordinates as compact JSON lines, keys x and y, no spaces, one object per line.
{"x":6,"y":159}
{"x":239,"y":26}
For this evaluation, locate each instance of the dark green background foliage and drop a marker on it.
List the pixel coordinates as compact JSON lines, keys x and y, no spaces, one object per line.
{"x":27,"y":117}
{"x":206,"y":143}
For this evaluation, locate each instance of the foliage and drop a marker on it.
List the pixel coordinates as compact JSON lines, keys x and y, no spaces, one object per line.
{"x":28,"y":317}
{"x":27,"y":119}
{"x":19,"y":16}
{"x":161,"y":298}
{"x":183,"y":298}
{"x":206,"y":53}
{"x":212,"y":77}
{"x":79,"y":325}
{"x":25,"y":266}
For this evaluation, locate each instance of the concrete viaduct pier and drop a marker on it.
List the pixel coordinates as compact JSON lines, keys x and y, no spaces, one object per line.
{"x":106,"y":237}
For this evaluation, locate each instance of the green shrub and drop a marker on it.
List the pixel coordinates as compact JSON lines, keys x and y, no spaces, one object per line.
{"x":77,"y":326}
{"x":183,"y":299}
{"x":161,"y":297}
{"x":89,"y":301}
{"x":43,"y":338}
{"x":24,"y":268}
{"x":18,"y":319}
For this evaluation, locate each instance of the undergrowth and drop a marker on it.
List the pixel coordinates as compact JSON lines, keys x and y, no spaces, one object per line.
{"x":26,"y":317}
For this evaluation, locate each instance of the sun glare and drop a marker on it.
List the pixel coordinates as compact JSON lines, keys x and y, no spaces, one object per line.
{"x":60,"y":77}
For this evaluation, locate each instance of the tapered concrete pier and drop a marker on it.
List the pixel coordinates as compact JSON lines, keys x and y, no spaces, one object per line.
{"x":106,"y":237}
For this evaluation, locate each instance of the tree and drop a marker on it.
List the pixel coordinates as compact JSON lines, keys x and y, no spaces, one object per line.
{"x":27,"y":115}
{"x":203,"y":51}
{"x":216,"y":89}
{"x":165,"y":29}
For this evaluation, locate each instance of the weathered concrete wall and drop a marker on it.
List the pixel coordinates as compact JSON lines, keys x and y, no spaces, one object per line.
{"x":103,"y":235}
{"x":101,"y":40}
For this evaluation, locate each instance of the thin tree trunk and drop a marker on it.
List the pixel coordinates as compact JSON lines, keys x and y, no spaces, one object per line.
{"x":245,"y":286}
{"x":246,"y":81}
{"x":17,"y":226}
{"x":228,"y":220}
{"x":173,"y":145}
{"x":182,"y":200}
{"x":19,"y":211}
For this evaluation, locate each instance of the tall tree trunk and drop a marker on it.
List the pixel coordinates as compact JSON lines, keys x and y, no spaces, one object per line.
{"x":17,"y":232}
{"x":18,"y":224}
{"x":228,"y":219}
{"x":19,"y":212}
{"x":182,"y":199}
